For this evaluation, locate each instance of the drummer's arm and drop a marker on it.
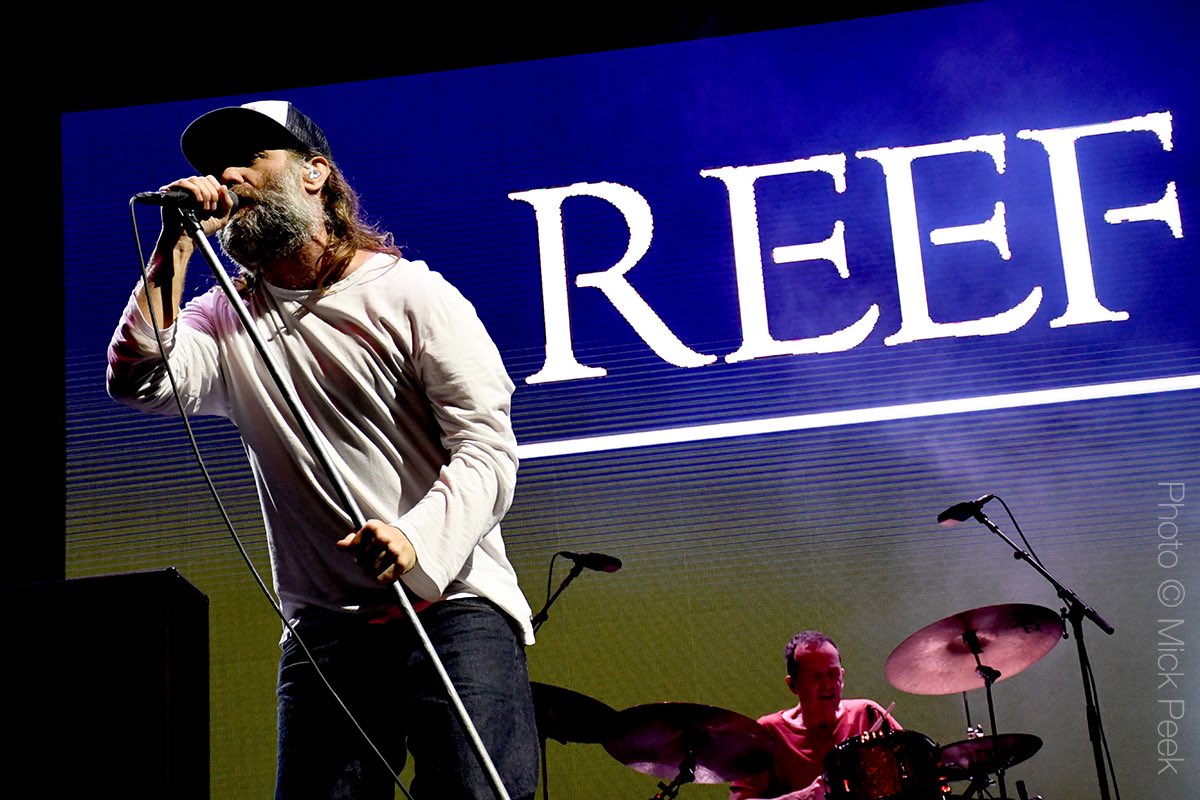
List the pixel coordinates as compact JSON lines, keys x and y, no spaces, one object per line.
{"x":742,"y":791}
{"x":814,"y":791}
{"x":889,"y":722}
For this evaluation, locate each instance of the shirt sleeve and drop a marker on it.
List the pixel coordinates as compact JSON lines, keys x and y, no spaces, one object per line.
{"x":462,"y":374}
{"x":137,"y":374}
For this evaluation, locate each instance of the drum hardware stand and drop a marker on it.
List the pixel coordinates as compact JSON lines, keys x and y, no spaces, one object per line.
{"x":687,"y":774}
{"x":973,"y":731}
{"x":1075,"y":611}
{"x":977,"y":786}
{"x":989,"y":676}
{"x":1024,"y":795}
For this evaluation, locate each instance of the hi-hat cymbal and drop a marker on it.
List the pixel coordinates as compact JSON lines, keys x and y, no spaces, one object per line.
{"x":985,"y":755}
{"x":660,"y":739}
{"x":941,"y":657}
{"x":568,"y":716}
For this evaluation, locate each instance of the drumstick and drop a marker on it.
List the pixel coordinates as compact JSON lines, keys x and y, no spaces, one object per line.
{"x":879,"y":721}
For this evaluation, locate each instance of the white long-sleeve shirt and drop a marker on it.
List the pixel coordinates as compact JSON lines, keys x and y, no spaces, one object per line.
{"x":400,"y":377}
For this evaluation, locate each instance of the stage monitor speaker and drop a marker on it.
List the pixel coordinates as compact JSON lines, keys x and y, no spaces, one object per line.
{"x":107,"y":687}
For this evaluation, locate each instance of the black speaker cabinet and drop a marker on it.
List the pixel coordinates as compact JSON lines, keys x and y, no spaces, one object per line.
{"x":106,"y":688}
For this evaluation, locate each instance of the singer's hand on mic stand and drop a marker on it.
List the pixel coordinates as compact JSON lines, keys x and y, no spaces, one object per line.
{"x":381,"y":550}
{"x":214,"y":205}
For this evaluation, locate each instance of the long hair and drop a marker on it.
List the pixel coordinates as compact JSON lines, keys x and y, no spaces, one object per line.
{"x":349,"y":232}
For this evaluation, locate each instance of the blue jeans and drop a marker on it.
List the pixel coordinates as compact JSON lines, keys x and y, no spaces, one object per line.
{"x":384,"y":676}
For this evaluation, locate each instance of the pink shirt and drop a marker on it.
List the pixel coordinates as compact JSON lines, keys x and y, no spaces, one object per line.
{"x":800,"y":752}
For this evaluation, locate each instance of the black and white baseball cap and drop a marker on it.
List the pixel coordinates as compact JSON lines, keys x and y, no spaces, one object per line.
{"x":229,"y":136}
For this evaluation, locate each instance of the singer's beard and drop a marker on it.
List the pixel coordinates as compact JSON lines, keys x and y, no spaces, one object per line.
{"x":280,"y":222}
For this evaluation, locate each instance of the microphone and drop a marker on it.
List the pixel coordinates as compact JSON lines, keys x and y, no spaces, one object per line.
{"x":177,"y":198}
{"x":961,"y":512}
{"x":597,"y":561}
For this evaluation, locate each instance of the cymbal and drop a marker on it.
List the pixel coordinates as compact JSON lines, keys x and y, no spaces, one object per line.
{"x":972,"y":758}
{"x":568,"y":716}
{"x":659,"y":738}
{"x":940,"y":658}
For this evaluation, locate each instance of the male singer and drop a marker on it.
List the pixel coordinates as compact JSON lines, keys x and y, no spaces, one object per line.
{"x":408,"y":390}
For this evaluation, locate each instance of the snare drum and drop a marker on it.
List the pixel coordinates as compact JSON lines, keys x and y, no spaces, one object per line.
{"x":881,"y":765}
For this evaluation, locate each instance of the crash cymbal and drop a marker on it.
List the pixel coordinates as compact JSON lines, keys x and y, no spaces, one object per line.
{"x":659,"y":738}
{"x":973,"y":758}
{"x":568,"y":716}
{"x":940,"y":658}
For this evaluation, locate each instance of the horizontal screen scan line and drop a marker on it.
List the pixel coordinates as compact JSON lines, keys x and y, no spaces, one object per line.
{"x":831,"y":419}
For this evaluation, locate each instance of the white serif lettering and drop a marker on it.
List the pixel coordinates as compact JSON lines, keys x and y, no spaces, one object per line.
{"x":1082,"y":304}
{"x":757,"y":341}
{"x":561,"y":364}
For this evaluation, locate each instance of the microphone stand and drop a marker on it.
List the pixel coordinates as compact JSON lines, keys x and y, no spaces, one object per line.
{"x":320,"y":452}
{"x":1075,"y":611}
{"x":989,"y":676}
{"x":540,"y":617}
{"x":538,"y":620}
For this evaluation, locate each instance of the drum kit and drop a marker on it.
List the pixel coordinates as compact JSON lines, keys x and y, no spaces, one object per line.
{"x":683,"y":743}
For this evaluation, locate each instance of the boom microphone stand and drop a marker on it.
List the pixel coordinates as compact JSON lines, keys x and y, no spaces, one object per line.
{"x":1075,"y":611}
{"x":540,"y":618}
{"x":192,"y":226}
{"x":593,"y":561}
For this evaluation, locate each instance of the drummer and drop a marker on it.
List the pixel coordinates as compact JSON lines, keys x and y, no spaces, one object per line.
{"x":806,"y":733}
